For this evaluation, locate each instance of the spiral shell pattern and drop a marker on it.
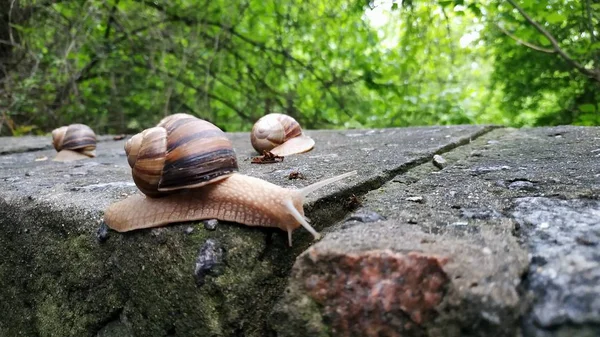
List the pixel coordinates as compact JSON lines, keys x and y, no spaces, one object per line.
{"x":181,"y":152}
{"x":279,"y":134}
{"x":75,"y":137}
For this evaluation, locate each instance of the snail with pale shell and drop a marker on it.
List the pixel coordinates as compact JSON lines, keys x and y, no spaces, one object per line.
{"x":279,"y":134}
{"x":187,"y":170}
{"x":74,"y":142}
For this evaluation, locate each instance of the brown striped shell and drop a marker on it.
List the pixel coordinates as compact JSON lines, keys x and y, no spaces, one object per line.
{"x":181,"y":152}
{"x":280,"y":134}
{"x":75,"y":137}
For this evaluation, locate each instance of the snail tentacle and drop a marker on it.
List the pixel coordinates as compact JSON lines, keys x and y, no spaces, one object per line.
{"x":300,"y":218}
{"x":319,"y":184}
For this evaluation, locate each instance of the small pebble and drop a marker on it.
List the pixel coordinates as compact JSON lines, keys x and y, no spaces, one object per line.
{"x":158,"y":235}
{"x":210,"y":258}
{"x":366,"y":216}
{"x":189,"y":230}
{"x":520,"y":185}
{"x":486,"y":251}
{"x":102,"y":233}
{"x":211,"y":224}
{"x":439,"y":161}
{"x":459,"y":224}
{"x":415,"y":199}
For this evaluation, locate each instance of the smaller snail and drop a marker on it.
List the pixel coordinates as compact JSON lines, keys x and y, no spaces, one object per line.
{"x":187,"y":169}
{"x":279,"y":134}
{"x":74,"y":142}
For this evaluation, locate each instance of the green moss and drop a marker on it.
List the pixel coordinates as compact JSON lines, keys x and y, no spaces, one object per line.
{"x":60,"y":281}
{"x":296,"y":315}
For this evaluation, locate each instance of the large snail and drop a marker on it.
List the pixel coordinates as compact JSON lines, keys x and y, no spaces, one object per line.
{"x":74,"y":142}
{"x":187,"y":169}
{"x":280,"y":134}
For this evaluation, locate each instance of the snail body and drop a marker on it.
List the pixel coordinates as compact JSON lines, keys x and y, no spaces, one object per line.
{"x":279,"y":134}
{"x":222,"y":194}
{"x":74,"y":142}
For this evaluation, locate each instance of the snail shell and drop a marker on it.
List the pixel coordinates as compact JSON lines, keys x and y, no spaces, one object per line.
{"x":280,"y":134}
{"x":76,"y":141}
{"x":181,"y":152}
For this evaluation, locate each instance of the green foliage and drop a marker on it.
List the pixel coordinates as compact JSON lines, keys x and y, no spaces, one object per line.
{"x":539,"y":86}
{"x":121,"y":65}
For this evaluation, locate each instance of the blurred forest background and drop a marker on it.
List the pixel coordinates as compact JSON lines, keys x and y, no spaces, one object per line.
{"x":121,"y":65}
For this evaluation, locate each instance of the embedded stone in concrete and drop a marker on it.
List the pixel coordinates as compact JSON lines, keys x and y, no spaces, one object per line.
{"x":564,"y":276}
{"x":360,"y":291}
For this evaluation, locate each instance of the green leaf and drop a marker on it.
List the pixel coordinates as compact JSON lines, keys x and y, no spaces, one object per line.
{"x":555,"y":18}
{"x":595,"y":46}
{"x":587,"y":108}
{"x":475,"y":9}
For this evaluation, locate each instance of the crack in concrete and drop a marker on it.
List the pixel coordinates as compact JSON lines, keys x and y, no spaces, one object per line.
{"x":328,"y":210}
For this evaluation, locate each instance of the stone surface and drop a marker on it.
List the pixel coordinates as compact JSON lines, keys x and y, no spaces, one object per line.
{"x":62,"y":274}
{"x":479,"y":290}
{"x":502,"y":241}
{"x":516,"y":222}
{"x":359,"y":292}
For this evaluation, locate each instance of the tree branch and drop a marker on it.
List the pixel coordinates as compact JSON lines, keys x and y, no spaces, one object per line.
{"x":189,"y":84}
{"x":260,"y":45}
{"x":595,"y":74}
{"x":85,"y":72}
{"x":449,"y":32}
{"x":524,"y":43}
{"x":590,"y":23}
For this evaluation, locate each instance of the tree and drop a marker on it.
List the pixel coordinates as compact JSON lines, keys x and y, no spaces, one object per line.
{"x":121,"y":65}
{"x":547,"y":60}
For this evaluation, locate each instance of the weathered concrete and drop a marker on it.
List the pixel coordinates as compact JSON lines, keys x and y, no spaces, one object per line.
{"x":64,"y":275}
{"x":498,"y":237}
{"x":509,"y":197}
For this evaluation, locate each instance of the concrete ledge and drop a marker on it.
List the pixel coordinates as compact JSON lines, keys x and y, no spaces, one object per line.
{"x":498,"y":242}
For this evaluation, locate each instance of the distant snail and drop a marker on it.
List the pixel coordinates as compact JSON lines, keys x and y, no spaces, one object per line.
{"x":188,"y":170}
{"x":74,"y":142}
{"x":280,"y":134}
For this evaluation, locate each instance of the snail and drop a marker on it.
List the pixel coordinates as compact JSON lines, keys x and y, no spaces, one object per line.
{"x":74,"y":142}
{"x":187,"y":170}
{"x":279,"y":134}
